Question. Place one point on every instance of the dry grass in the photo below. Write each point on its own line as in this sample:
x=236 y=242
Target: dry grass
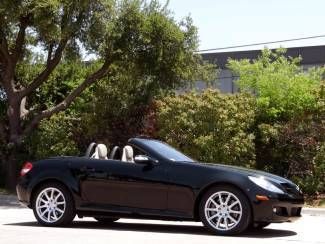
x=3 y=191
x=316 y=202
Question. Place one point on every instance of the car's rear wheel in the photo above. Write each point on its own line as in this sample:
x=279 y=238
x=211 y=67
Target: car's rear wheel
x=225 y=210
x=104 y=220
x=53 y=205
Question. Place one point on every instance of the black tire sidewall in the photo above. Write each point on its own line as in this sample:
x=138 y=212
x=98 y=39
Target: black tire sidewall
x=69 y=212
x=245 y=220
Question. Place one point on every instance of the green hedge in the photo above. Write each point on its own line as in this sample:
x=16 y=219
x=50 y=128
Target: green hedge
x=294 y=149
x=54 y=138
x=209 y=127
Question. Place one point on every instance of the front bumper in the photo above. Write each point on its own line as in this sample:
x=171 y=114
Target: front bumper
x=278 y=210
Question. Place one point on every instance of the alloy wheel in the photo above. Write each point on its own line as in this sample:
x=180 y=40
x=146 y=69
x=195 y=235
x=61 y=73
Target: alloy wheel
x=223 y=210
x=50 y=205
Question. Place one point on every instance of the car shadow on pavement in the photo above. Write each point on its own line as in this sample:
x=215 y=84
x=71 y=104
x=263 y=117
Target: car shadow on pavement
x=163 y=228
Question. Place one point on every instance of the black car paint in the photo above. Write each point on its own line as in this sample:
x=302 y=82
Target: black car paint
x=163 y=189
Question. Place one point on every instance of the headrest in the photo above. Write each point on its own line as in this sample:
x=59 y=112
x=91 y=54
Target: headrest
x=127 y=154
x=102 y=151
x=128 y=151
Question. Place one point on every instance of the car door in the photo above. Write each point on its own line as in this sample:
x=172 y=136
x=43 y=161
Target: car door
x=109 y=184
x=181 y=192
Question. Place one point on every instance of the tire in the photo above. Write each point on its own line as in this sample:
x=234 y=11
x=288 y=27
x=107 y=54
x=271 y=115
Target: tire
x=229 y=217
x=259 y=225
x=53 y=205
x=104 y=220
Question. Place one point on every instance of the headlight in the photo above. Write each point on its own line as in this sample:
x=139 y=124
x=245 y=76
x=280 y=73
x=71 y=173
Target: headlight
x=261 y=182
x=298 y=188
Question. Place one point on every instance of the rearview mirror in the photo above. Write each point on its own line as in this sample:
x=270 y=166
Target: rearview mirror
x=143 y=159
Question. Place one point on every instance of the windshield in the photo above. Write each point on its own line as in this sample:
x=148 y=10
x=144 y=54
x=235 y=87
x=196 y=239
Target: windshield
x=167 y=151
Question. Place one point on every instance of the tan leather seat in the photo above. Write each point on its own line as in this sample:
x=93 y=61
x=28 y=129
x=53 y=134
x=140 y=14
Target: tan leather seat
x=127 y=155
x=100 y=152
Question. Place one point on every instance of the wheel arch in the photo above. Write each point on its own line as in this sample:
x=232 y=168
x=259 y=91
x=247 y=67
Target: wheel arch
x=214 y=184
x=40 y=183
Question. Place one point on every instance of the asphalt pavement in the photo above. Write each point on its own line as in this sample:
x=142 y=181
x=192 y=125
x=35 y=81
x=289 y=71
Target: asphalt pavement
x=18 y=225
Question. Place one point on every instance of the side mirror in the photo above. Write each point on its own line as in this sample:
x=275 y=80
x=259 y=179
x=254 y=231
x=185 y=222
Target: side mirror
x=143 y=159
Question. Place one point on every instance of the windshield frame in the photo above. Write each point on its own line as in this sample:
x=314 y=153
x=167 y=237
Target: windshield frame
x=151 y=146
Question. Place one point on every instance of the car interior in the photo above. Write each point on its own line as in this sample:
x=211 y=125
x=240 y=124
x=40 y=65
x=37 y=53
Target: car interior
x=100 y=151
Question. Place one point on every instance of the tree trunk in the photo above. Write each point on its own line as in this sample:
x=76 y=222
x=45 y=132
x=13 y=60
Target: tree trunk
x=10 y=166
x=10 y=163
x=2 y=170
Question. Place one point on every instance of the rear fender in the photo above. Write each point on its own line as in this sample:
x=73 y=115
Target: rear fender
x=63 y=177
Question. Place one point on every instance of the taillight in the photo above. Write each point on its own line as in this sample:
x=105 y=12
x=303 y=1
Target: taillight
x=26 y=168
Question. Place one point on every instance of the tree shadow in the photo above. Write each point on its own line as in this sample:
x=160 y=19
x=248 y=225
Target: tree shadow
x=163 y=228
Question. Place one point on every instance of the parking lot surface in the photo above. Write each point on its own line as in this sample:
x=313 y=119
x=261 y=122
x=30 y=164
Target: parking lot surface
x=18 y=225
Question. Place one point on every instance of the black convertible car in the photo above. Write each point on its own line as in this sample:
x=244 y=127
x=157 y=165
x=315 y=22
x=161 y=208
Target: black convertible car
x=150 y=179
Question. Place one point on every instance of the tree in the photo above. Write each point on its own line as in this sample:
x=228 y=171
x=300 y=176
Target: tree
x=38 y=36
x=283 y=89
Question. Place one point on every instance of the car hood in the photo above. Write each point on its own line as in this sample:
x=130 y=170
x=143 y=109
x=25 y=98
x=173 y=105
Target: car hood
x=246 y=172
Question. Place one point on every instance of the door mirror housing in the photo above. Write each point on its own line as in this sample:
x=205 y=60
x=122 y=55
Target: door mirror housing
x=143 y=159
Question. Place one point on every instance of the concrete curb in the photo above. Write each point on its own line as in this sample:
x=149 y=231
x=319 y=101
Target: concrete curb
x=314 y=211
x=9 y=201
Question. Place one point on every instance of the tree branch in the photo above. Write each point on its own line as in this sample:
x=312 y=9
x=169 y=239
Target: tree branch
x=50 y=66
x=8 y=67
x=3 y=134
x=69 y=99
x=20 y=40
x=23 y=111
x=2 y=64
x=4 y=46
x=67 y=30
x=3 y=60
x=49 y=54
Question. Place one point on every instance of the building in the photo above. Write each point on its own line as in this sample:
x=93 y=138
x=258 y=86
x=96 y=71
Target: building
x=312 y=56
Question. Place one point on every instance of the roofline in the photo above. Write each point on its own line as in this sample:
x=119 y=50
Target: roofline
x=310 y=55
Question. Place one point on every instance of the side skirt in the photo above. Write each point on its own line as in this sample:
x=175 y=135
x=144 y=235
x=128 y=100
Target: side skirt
x=92 y=210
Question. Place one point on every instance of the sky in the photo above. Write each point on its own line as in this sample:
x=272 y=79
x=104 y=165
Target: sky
x=224 y=23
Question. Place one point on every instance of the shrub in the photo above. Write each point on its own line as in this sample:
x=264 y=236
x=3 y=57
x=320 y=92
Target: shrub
x=313 y=181
x=282 y=88
x=53 y=138
x=290 y=116
x=296 y=148
x=209 y=127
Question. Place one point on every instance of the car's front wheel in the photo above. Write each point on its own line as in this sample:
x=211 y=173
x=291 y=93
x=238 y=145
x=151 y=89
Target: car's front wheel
x=225 y=210
x=53 y=205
